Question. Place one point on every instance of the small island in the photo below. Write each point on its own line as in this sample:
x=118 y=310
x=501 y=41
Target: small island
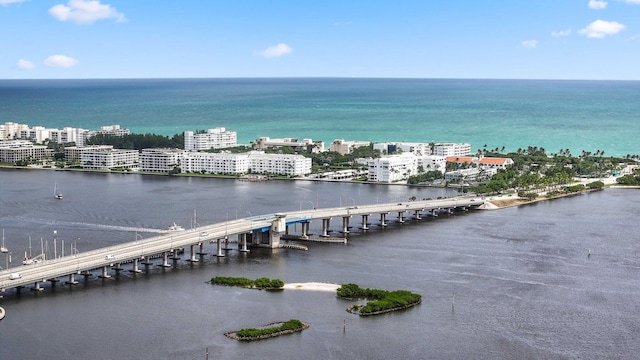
x=260 y=283
x=269 y=331
x=382 y=301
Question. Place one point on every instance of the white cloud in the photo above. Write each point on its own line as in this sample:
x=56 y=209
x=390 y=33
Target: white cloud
x=597 y=4
x=632 y=1
x=85 y=12
x=24 y=64
x=60 y=61
x=276 y=50
x=7 y=2
x=561 y=33
x=600 y=28
x=529 y=43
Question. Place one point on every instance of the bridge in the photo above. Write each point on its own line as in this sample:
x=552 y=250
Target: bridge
x=262 y=230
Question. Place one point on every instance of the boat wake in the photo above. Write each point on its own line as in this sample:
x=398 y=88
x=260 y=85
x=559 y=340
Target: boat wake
x=84 y=225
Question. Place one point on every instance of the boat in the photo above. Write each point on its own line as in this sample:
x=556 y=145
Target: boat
x=175 y=227
x=28 y=260
x=56 y=195
x=3 y=249
x=2 y=313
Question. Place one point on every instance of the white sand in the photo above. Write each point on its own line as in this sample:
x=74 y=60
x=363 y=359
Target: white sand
x=314 y=286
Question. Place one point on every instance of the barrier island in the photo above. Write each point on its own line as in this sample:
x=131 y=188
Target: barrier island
x=269 y=331
x=382 y=301
x=260 y=283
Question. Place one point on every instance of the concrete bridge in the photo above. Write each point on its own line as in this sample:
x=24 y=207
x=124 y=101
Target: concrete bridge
x=262 y=230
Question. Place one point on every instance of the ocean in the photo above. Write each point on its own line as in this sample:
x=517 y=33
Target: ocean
x=553 y=280
x=553 y=114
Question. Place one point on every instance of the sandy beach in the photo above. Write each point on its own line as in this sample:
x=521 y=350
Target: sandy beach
x=313 y=286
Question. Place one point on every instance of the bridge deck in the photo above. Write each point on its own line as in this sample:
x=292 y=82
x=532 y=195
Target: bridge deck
x=108 y=256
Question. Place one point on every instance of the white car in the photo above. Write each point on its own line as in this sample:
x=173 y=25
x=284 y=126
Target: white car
x=14 y=276
x=204 y=233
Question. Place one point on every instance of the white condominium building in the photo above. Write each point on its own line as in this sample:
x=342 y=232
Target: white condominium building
x=393 y=147
x=165 y=160
x=307 y=145
x=160 y=160
x=74 y=153
x=106 y=159
x=40 y=134
x=452 y=149
x=17 y=150
x=218 y=138
x=214 y=163
x=395 y=168
x=432 y=163
x=346 y=147
x=11 y=131
x=290 y=165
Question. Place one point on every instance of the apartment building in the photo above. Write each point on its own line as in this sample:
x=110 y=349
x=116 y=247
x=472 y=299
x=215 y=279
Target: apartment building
x=218 y=138
x=105 y=159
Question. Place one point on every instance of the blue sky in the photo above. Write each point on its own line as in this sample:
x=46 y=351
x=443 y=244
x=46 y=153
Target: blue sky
x=502 y=39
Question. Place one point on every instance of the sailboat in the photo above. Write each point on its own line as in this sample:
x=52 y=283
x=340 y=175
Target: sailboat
x=56 y=194
x=3 y=249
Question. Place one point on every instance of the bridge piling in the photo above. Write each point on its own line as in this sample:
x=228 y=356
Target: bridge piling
x=365 y=219
x=383 y=217
x=192 y=258
x=105 y=274
x=345 y=224
x=417 y=215
x=219 y=249
x=243 y=238
x=135 y=267
x=36 y=287
x=72 y=280
x=201 y=249
x=165 y=260
x=401 y=217
x=305 y=230
x=325 y=227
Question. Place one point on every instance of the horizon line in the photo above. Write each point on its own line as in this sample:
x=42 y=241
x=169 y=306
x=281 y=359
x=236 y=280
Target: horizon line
x=314 y=77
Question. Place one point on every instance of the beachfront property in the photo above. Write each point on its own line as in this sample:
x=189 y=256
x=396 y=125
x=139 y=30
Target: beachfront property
x=40 y=134
x=306 y=145
x=405 y=147
x=12 y=151
x=346 y=147
x=217 y=138
x=438 y=149
x=11 y=130
x=396 y=168
x=106 y=159
x=452 y=149
x=482 y=162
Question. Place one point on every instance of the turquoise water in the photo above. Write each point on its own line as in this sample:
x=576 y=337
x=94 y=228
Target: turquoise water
x=579 y=115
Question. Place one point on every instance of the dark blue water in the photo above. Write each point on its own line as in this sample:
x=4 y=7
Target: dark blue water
x=513 y=283
x=578 y=115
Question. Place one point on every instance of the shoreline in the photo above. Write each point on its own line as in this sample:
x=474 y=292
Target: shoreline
x=492 y=202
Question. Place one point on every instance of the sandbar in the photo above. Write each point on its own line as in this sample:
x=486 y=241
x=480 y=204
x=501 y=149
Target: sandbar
x=313 y=286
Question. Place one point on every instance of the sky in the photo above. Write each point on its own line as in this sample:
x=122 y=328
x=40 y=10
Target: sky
x=495 y=39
